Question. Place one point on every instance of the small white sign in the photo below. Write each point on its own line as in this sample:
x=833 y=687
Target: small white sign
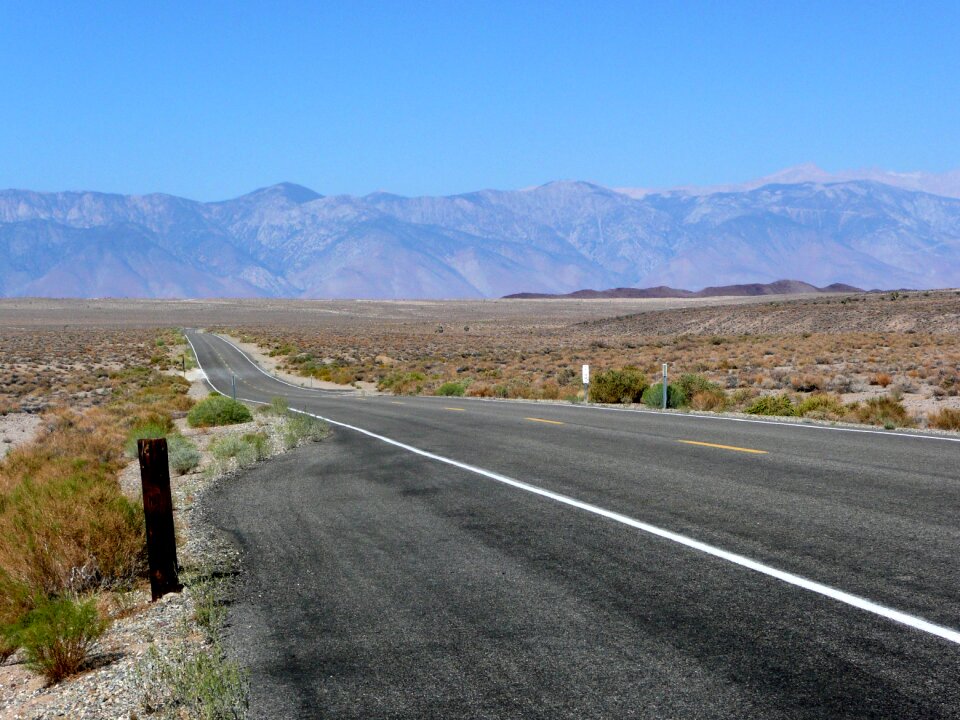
x=586 y=374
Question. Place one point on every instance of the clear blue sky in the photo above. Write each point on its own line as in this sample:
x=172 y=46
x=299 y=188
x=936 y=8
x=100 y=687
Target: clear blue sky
x=447 y=97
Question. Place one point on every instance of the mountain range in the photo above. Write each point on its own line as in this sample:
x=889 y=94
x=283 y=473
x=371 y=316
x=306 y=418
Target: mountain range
x=288 y=241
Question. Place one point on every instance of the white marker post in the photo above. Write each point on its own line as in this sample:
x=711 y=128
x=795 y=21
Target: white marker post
x=664 y=386
x=586 y=384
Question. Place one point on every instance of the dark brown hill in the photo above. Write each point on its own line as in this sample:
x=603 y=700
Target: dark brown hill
x=780 y=287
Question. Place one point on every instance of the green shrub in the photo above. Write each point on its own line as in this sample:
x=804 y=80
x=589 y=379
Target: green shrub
x=182 y=454
x=260 y=444
x=822 y=406
x=653 y=396
x=618 y=386
x=780 y=405
x=218 y=410
x=691 y=384
x=299 y=427
x=452 y=389
x=234 y=446
x=57 y=635
x=885 y=411
x=279 y=406
x=147 y=431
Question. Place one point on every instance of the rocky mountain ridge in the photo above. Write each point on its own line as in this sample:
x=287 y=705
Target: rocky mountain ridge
x=288 y=241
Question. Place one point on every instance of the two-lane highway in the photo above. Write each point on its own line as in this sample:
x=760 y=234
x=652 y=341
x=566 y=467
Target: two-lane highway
x=447 y=557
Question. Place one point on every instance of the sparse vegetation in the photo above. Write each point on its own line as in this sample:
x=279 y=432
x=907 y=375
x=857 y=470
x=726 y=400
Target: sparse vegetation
x=57 y=635
x=197 y=681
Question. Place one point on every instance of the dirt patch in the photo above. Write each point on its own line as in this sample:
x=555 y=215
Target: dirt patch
x=17 y=429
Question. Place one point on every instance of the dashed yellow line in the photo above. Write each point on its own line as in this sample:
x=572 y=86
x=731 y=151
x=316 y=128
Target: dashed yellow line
x=725 y=447
x=541 y=420
x=456 y=409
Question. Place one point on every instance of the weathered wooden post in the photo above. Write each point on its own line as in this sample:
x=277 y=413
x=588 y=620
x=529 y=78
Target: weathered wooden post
x=158 y=512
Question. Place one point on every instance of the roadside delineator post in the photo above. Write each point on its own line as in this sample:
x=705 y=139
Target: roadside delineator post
x=665 y=386
x=158 y=514
x=586 y=384
x=233 y=382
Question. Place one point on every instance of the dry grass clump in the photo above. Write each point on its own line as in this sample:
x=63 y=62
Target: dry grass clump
x=946 y=419
x=823 y=406
x=713 y=400
x=884 y=410
x=64 y=524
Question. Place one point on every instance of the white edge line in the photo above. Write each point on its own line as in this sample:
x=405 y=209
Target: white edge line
x=686 y=416
x=819 y=588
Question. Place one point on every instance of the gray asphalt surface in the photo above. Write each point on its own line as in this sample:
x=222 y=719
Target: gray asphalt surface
x=383 y=584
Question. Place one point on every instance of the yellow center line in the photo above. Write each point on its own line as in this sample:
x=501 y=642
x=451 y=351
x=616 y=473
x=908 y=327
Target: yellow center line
x=725 y=447
x=551 y=422
x=396 y=402
x=456 y=409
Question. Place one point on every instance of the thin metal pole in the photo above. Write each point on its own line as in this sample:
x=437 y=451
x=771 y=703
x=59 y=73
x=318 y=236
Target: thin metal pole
x=234 y=385
x=664 y=386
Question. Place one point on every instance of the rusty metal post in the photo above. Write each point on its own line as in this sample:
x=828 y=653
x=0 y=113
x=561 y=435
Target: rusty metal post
x=158 y=512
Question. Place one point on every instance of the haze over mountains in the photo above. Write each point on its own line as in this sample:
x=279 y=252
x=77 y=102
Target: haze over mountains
x=288 y=241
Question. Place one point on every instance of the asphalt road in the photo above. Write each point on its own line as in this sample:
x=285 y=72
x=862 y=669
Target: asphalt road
x=590 y=563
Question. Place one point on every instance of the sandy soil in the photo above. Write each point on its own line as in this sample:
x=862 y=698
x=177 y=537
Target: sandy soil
x=17 y=429
x=272 y=366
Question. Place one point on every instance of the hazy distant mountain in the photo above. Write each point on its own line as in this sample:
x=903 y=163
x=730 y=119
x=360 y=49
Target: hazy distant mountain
x=780 y=287
x=286 y=240
x=946 y=184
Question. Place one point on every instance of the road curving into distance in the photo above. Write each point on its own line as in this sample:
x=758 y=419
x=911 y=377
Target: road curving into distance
x=449 y=557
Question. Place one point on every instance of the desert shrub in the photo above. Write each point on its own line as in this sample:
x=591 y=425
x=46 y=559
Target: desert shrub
x=279 y=406
x=146 y=431
x=822 y=406
x=881 y=379
x=714 y=400
x=772 y=405
x=234 y=447
x=549 y=390
x=403 y=383
x=196 y=683
x=618 y=386
x=808 y=383
x=479 y=390
x=653 y=396
x=182 y=454
x=57 y=635
x=742 y=397
x=451 y=389
x=946 y=419
x=886 y=411
x=692 y=383
x=218 y=410
x=298 y=428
